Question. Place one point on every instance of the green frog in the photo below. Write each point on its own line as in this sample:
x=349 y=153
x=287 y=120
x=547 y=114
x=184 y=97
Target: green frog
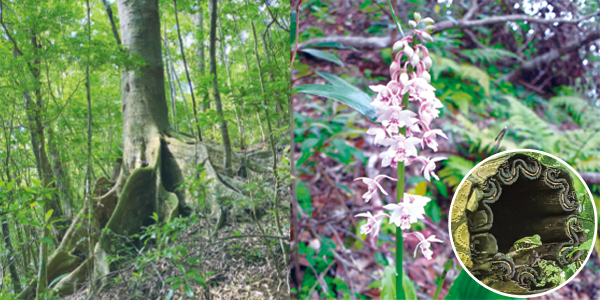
x=525 y=244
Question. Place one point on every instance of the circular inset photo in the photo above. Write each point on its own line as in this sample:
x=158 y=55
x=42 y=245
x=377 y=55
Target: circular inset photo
x=522 y=223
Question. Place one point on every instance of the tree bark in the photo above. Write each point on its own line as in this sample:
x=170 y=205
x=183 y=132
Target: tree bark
x=212 y=7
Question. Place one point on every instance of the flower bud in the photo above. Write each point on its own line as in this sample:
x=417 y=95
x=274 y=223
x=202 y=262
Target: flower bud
x=426 y=76
x=428 y=21
x=427 y=62
x=430 y=28
x=414 y=60
x=397 y=45
x=412 y=24
x=404 y=78
x=409 y=51
x=424 y=35
x=417 y=16
x=394 y=67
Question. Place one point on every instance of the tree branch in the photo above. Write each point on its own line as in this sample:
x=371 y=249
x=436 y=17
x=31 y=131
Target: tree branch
x=385 y=42
x=10 y=37
x=539 y=61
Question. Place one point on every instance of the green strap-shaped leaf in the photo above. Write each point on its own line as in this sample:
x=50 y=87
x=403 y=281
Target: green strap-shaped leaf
x=464 y=287
x=324 y=55
x=341 y=91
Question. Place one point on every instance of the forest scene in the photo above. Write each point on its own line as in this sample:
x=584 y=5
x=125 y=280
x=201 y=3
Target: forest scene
x=486 y=76
x=145 y=149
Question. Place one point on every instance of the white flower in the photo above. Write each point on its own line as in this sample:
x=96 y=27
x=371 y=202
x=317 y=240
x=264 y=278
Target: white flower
x=425 y=244
x=429 y=110
x=428 y=166
x=372 y=185
x=429 y=138
x=378 y=132
x=373 y=223
x=408 y=211
x=394 y=118
x=400 y=148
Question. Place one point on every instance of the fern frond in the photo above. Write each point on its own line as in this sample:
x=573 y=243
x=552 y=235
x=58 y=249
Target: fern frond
x=465 y=71
x=488 y=55
x=582 y=112
x=476 y=74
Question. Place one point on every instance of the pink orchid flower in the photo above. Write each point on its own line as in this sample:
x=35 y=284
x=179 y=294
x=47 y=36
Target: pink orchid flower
x=373 y=223
x=408 y=211
x=425 y=244
x=400 y=148
x=428 y=166
x=373 y=184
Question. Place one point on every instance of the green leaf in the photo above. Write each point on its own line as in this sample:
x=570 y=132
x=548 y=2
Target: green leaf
x=293 y=27
x=324 y=55
x=389 y=284
x=359 y=101
x=585 y=246
x=441 y=187
x=173 y=279
x=365 y=4
x=344 y=151
x=10 y=185
x=57 y=279
x=332 y=45
x=188 y=290
x=46 y=240
x=464 y=287
x=48 y=215
x=305 y=148
x=304 y=197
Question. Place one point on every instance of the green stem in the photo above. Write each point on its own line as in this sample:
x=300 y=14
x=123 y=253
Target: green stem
x=440 y=280
x=395 y=19
x=399 y=197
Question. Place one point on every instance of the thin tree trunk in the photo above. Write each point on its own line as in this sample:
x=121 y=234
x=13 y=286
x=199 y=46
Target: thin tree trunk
x=199 y=20
x=175 y=78
x=88 y=186
x=226 y=63
x=111 y=20
x=249 y=78
x=271 y=137
x=278 y=107
x=170 y=81
x=16 y=282
x=187 y=73
x=212 y=7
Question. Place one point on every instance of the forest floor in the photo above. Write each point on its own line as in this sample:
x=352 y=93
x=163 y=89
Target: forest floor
x=238 y=268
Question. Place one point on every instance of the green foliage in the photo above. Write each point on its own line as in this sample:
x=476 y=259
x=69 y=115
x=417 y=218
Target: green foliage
x=455 y=169
x=487 y=55
x=464 y=287
x=388 y=283
x=340 y=90
x=324 y=55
